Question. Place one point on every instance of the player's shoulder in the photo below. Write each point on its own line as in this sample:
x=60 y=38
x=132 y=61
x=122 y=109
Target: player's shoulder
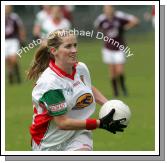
x=123 y=15
x=99 y=19
x=48 y=75
x=14 y=16
x=81 y=65
x=41 y=14
x=65 y=20
x=66 y=23
x=47 y=81
x=120 y=14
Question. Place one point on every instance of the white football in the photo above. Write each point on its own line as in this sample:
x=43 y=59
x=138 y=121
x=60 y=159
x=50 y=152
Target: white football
x=121 y=110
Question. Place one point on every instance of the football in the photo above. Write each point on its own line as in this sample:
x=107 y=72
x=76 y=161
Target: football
x=121 y=110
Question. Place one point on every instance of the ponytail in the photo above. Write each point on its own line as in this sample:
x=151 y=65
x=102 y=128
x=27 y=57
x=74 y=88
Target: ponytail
x=40 y=63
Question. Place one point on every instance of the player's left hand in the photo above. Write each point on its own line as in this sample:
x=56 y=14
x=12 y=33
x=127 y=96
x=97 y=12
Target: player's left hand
x=111 y=125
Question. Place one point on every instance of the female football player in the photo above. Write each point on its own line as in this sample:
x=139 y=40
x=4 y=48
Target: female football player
x=113 y=24
x=14 y=35
x=64 y=99
x=50 y=22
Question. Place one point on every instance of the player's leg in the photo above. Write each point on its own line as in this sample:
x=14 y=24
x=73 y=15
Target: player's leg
x=109 y=59
x=13 y=68
x=113 y=79
x=11 y=48
x=119 y=68
x=10 y=70
x=121 y=76
x=16 y=68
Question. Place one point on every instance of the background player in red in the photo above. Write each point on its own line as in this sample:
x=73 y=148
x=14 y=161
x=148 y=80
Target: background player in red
x=113 y=24
x=150 y=16
x=14 y=34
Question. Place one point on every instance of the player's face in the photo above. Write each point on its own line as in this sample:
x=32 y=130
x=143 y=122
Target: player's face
x=8 y=9
x=56 y=12
x=108 y=10
x=67 y=51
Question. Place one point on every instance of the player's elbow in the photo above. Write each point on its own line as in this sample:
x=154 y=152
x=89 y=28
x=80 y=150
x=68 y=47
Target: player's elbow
x=135 y=22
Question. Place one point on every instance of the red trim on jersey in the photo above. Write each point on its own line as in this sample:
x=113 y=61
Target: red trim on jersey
x=153 y=10
x=35 y=110
x=39 y=128
x=60 y=72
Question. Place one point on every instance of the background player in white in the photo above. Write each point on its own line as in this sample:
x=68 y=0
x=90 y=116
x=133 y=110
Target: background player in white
x=113 y=24
x=63 y=98
x=150 y=16
x=41 y=17
x=14 y=35
x=53 y=21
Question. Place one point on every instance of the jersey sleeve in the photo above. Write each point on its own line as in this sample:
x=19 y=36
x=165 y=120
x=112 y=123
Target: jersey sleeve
x=39 y=18
x=83 y=71
x=54 y=101
x=98 y=21
x=124 y=17
x=67 y=24
x=17 y=19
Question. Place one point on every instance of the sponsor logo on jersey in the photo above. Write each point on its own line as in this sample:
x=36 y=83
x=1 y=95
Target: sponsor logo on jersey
x=76 y=83
x=83 y=101
x=57 y=107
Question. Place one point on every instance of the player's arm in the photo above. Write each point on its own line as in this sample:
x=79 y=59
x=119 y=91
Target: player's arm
x=37 y=27
x=131 y=23
x=99 y=97
x=63 y=122
x=21 y=29
x=22 y=34
x=36 y=31
x=56 y=105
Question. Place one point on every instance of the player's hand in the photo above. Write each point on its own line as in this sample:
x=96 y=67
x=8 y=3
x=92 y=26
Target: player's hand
x=111 y=125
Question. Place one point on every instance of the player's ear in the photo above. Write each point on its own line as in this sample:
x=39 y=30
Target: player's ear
x=52 y=50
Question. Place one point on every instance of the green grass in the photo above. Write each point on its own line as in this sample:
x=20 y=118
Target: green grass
x=139 y=136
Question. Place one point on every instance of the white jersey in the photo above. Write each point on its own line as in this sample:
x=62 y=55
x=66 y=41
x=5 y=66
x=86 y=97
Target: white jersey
x=49 y=26
x=41 y=17
x=57 y=93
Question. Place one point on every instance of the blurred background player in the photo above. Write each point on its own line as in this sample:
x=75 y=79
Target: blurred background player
x=41 y=17
x=113 y=23
x=67 y=11
x=150 y=16
x=53 y=22
x=14 y=35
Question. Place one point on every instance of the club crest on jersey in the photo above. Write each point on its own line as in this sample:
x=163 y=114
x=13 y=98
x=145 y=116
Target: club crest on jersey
x=83 y=101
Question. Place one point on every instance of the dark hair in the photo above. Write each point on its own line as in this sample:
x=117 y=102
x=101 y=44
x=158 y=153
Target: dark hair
x=43 y=55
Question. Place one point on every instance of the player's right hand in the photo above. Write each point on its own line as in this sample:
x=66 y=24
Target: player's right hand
x=111 y=125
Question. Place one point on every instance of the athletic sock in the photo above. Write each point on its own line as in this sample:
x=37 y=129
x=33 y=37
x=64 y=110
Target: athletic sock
x=114 y=86
x=17 y=73
x=122 y=83
x=10 y=77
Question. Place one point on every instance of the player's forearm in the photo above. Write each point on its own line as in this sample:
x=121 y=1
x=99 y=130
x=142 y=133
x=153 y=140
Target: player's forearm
x=22 y=34
x=131 y=24
x=65 y=123
x=99 y=97
x=36 y=30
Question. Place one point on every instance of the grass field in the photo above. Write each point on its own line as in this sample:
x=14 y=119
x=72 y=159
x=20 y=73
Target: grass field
x=139 y=136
